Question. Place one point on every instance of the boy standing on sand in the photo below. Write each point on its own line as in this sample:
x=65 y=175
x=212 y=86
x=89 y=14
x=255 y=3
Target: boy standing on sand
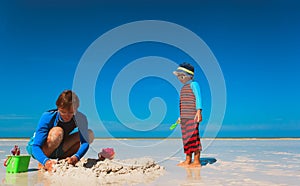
x=190 y=114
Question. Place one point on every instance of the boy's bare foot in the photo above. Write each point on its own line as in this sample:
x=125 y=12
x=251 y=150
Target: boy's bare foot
x=194 y=164
x=184 y=164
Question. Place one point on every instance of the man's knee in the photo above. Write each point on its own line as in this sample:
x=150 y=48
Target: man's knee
x=55 y=135
x=91 y=136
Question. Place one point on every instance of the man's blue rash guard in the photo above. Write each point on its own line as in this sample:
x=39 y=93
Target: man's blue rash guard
x=49 y=120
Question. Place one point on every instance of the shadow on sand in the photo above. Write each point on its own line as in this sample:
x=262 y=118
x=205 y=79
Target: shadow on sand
x=208 y=160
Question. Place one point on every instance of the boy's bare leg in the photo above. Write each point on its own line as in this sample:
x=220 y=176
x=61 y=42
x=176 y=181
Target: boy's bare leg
x=187 y=161
x=196 y=162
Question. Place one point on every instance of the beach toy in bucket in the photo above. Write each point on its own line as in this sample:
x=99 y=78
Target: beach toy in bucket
x=15 y=151
x=16 y=163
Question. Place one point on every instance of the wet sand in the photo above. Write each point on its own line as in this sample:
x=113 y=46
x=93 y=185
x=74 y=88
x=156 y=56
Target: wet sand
x=239 y=162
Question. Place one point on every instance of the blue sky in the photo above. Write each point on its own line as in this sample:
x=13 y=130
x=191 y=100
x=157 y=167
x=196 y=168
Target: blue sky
x=256 y=44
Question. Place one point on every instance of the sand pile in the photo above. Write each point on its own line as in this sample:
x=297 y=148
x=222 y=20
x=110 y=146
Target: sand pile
x=141 y=170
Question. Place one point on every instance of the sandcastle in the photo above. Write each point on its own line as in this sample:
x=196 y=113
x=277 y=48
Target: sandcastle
x=108 y=171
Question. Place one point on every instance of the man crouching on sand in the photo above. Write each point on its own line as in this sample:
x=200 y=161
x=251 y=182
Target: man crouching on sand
x=55 y=137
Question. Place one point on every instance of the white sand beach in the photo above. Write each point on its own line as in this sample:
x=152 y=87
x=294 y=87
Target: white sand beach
x=153 y=162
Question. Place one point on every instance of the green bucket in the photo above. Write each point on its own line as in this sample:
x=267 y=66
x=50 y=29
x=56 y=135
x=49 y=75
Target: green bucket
x=16 y=164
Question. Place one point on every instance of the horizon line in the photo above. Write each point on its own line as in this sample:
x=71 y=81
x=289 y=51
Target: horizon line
x=171 y=138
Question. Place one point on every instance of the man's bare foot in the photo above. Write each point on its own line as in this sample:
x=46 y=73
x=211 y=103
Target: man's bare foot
x=184 y=164
x=40 y=166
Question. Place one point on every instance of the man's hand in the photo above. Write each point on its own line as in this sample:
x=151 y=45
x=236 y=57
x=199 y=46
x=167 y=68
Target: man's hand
x=72 y=160
x=49 y=165
x=198 y=116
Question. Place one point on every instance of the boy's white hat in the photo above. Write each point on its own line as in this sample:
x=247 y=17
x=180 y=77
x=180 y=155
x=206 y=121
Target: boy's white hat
x=184 y=69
